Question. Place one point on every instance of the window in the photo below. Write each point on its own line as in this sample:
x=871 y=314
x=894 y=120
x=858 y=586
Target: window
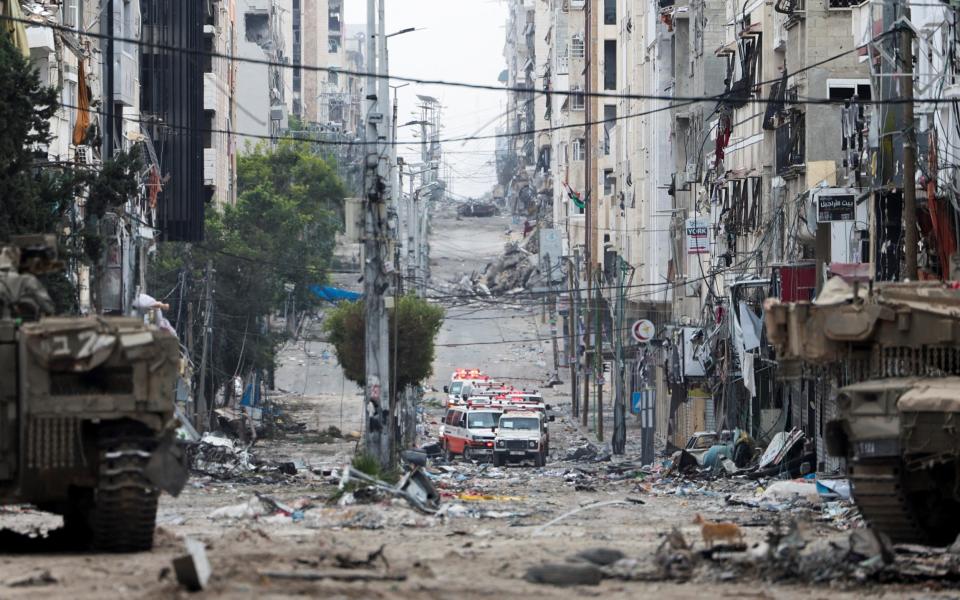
x=71 y=13
x=844 y=89
x=520 y=423
x=482 y=420
x=70 y=95
x=609 y=121
x=609 y=12
x=577 y=47
x=209 y=49
x=333 y=77
x=578 y=148
x=610 y=64
x=577 y=99
x=609 y=182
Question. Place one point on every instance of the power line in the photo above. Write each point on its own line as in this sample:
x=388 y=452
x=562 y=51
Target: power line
x=724 y=97
x=680 y=102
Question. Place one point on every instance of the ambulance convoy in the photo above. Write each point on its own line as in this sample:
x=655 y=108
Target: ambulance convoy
x=487 y=420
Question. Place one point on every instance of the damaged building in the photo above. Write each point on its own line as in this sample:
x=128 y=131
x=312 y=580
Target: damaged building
x=728 y=153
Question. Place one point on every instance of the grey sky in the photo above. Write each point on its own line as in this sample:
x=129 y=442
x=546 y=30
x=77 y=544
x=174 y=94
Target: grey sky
x=462 y=40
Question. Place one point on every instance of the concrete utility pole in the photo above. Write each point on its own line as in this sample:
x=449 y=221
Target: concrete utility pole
x=573 y=285
x=386 y=154
x=375 y=284
x=203 y=409
x=588 y=193
x=412 y=236
x=599 y=362
x=909 y=147
x=108 y=84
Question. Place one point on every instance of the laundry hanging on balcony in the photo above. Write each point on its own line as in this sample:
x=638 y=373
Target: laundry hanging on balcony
x=83 y=107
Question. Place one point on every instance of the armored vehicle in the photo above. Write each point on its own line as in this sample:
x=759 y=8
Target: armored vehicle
x=86 y=406
x=892 y=352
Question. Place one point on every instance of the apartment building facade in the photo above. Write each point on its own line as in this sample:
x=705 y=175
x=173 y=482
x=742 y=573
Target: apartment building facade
x=711 y=142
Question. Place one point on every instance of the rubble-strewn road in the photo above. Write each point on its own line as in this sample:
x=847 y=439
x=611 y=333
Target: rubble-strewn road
x=494 y=522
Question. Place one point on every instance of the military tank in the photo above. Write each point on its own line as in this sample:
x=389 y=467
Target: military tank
x=892 y=352
x=86 y=410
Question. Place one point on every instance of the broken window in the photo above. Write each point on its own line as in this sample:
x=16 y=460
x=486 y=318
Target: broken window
x=609 y=182
x=776 y=104
x=257 y=27
x=743 y=205
x=790 y=144
x=846 y=89
x=209 y=49
x=743 y=70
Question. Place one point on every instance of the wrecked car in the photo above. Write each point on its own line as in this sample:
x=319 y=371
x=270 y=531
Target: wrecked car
x=708 y=449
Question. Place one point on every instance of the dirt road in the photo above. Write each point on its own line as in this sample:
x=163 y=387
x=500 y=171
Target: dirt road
x=495 y=523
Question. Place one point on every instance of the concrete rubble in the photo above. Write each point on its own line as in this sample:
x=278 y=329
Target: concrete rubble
x=193 y=569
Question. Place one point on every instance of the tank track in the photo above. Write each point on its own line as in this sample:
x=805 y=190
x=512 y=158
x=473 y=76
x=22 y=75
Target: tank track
x=877 y=488
x=124 y=514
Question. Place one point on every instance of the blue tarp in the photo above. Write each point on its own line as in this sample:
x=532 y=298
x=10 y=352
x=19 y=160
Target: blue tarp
x=333 y=294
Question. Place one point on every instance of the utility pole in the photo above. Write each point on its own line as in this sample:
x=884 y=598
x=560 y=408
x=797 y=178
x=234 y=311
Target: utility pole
x=573 y=284
x=909 y=146
x=108 y=82
x=588 y=191
x=598 y=362
x=414 y=216
x=203 y=410
x=376 y=334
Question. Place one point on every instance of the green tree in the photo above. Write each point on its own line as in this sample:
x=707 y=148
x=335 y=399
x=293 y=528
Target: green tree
x=266 y=251
x=414 y=325
x=39 y=196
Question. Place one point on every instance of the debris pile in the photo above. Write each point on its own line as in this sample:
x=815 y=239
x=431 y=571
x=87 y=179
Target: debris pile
x=220 y=457
x=225 y=459
x=514 y=271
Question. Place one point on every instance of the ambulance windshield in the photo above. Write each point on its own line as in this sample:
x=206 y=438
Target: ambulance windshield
x=482 y=420
x=455 y=387
x=524 y=423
